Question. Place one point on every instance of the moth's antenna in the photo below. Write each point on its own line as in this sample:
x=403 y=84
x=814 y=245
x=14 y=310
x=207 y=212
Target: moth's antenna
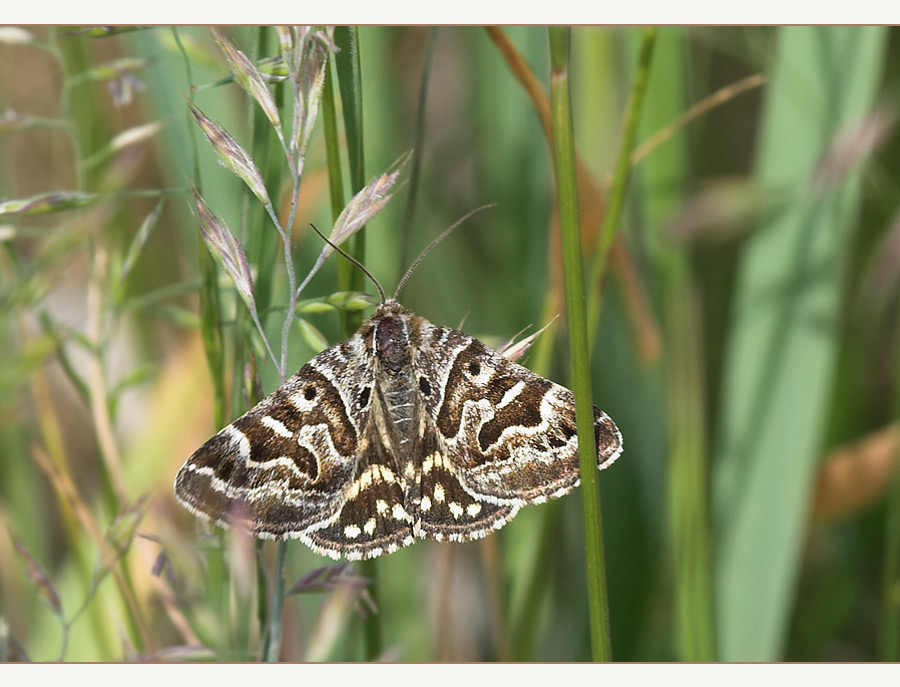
x=434 y=243
x=352 y=260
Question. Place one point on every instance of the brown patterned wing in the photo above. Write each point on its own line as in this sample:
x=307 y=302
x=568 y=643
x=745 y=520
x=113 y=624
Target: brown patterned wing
x=507 y=433
x=442 y=509
x=300 y=461
x=372 y=519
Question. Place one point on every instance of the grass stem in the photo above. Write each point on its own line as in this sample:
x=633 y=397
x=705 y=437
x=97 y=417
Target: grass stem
x=350 y=83
x=889 y=635
x=576 y=315
x=616 y=198
x=276 y=606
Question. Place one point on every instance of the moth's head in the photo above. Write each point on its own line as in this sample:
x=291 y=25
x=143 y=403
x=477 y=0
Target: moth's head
x=391 y=337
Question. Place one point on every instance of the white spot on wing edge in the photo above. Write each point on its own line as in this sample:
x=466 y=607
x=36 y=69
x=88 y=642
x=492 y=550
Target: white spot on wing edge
x=350 y=552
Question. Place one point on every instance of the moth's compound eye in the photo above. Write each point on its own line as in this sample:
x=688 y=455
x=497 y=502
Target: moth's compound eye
x=424 y=386
x=364 y=397
x=309 y=393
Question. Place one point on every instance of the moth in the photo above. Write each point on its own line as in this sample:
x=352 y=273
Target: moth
x=406 y=430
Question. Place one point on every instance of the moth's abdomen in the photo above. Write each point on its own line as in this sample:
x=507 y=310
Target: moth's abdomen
x=399 y=404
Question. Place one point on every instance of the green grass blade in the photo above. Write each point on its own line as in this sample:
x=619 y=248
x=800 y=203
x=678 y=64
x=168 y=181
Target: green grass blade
x=350 y=84
x=616 y=198
x=418 y=150
x=333 y=152
x=779 y=363
x=576 y=316
x=661 y=180
x=688 y=469
x=889 y=634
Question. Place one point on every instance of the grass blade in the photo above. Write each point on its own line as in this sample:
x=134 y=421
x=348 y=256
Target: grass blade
x=889 y=631
x=661 y=180
x=576 y=315
x=780 y=359
x=350 y=84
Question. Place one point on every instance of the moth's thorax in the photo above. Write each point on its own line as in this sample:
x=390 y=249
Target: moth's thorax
x=391 y=346
x=393 y=335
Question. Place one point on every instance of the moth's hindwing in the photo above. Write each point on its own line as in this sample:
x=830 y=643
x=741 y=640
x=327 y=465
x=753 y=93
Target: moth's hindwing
x=372 y=520
x=443 y=509
x=508 y=434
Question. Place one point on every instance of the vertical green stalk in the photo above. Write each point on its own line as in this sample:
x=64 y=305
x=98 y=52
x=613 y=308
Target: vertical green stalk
x=276 y=607
x=616 y=198
x=889 y=639
x=576 y=315
x=261 y=245
x=418 y=149
x=335 y=180
x=267 y=142
x=688 y=479
x=333 y=155
x=350 y=83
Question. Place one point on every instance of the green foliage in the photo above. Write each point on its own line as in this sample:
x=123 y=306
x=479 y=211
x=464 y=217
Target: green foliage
x=737 y=207
x=784 y=336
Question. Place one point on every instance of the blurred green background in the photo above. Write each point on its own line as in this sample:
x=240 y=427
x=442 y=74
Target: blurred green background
x=746 y=346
